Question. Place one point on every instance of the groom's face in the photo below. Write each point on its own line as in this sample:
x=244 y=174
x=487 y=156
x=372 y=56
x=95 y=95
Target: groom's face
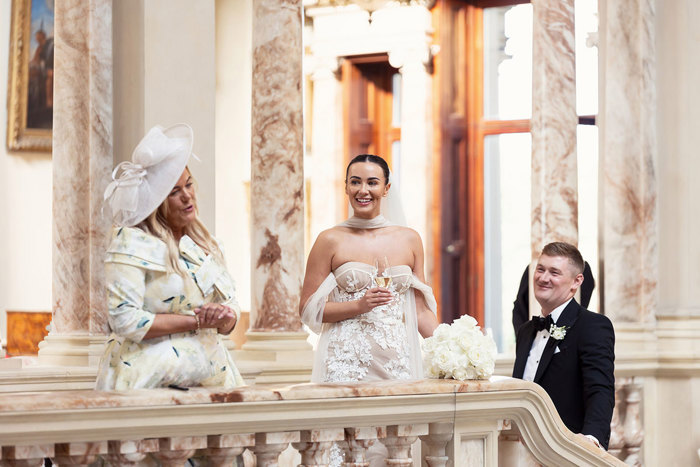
x=556 y=280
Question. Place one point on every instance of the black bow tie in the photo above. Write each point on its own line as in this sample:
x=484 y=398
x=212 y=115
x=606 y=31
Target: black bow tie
x=541 y=323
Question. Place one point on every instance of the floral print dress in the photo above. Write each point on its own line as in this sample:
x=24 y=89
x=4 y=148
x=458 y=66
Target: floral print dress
x=139 y=287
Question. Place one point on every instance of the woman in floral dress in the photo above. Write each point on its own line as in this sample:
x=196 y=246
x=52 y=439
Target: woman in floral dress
x=169 y=295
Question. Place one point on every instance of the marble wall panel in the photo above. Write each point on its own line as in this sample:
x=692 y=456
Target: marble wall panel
x=554 y=119
x=628 y=173
x=277 y=179
x=82 y=156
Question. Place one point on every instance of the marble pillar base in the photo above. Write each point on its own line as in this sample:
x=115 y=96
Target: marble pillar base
x=71 y=350
x=636 y=339
x=678 y=337
x=12 y=363
x=275 y=357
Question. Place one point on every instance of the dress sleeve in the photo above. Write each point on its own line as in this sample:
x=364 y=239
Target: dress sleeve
x=427 y=292
x=411 y=319
x=210 y=275
x=231 y=301
x=312 y=315
x=126 y=286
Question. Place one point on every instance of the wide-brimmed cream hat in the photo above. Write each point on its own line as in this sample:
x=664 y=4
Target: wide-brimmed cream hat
x=139 y=186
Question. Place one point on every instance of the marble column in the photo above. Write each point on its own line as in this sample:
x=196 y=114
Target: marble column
x=277 y=196
x=554 y=120
x=414 y=183
x=326 y=167
x=628 y=196
x=82 y=161
x=553 y=126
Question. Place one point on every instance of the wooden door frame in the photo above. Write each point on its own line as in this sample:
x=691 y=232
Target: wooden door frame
x=383 y=144
x=474 y=128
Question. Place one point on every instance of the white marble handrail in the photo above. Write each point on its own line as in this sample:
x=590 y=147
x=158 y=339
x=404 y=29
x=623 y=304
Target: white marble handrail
x=472 y=423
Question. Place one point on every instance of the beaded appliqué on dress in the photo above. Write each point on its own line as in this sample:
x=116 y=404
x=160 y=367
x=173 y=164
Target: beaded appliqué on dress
x=351 y=341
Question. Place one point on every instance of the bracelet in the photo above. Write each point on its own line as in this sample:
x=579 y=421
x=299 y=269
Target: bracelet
x=196 y=318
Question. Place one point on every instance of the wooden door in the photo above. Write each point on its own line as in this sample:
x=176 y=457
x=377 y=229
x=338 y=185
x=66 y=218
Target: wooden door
x=370 y=121
x=460 y=251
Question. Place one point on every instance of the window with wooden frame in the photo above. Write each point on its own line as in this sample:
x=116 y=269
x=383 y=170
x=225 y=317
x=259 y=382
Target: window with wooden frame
x=468 y=117
x=484 y=91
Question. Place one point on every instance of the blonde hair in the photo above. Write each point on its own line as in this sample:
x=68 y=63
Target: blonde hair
x=156 y=224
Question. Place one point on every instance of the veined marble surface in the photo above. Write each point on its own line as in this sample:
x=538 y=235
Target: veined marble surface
x=30 y=401
x=82 y=162
x=554 y=120
x=628 y=164
x=277 y=183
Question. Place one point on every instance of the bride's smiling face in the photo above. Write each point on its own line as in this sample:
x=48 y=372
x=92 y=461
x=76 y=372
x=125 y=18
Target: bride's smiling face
x=365 y=187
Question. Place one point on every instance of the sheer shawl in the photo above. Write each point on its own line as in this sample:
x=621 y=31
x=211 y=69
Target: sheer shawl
x=312 y=315
x=360 y=223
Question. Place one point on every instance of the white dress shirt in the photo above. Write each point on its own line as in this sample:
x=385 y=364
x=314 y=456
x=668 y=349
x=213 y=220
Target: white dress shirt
x=538 y=345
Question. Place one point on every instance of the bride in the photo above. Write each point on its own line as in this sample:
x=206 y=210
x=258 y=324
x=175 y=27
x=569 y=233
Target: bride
x=367 y=333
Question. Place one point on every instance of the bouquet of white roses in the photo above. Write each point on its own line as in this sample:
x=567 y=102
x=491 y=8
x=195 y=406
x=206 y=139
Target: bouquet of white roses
x=460 y=351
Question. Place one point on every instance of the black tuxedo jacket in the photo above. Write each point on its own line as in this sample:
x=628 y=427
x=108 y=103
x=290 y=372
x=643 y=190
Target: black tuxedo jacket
x=579 y=377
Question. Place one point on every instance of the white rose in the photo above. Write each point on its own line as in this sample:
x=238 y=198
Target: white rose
x=442 y=332
x=461 y=360
x=442 y=347
x=471 y=373
x=432 y=371
x=429 y=345
x=487 y=361
x=443 y=361
x=465 y=322
x=460 y=373
x=465 y=341
x=488 y=369
x=477 y=355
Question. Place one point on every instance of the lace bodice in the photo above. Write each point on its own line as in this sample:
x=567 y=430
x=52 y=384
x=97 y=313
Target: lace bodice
x=373 y=345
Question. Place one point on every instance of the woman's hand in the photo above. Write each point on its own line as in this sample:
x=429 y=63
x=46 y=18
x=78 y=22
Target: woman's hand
x=373 y=298
x=216 y=315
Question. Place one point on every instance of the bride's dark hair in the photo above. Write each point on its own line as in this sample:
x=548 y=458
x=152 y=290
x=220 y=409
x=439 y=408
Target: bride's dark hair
x=373 y=159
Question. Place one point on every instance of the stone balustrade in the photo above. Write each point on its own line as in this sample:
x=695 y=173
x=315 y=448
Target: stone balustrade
x=627 y=425
x=627 y=429
x=443 y=422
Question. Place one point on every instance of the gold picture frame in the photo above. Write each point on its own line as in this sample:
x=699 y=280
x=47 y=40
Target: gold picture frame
x=30 y=84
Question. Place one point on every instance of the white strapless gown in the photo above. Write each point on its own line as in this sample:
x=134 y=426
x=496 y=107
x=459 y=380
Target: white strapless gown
x=372 y=346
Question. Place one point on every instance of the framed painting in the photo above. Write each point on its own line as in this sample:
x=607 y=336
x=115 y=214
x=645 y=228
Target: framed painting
x=30 y=93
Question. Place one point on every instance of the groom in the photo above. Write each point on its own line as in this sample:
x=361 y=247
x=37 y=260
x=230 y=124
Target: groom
x=569 y=351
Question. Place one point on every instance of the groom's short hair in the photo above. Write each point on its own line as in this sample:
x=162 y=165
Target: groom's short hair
x=565 y=250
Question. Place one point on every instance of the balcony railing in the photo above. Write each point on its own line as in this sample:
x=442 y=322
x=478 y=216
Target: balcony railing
x=475 y=423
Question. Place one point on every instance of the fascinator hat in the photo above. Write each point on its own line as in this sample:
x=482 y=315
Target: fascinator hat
x=139 y=186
